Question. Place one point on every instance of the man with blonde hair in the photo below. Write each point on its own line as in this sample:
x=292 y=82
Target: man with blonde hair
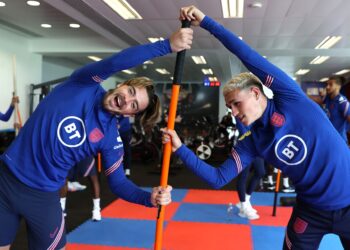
x=289 y=131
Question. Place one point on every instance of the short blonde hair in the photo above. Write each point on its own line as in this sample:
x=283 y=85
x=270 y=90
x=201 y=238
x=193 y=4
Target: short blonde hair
x=242 y=81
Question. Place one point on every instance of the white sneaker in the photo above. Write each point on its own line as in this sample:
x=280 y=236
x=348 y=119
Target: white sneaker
x=249 y=214
x=239 y=206
x=96 y=215
x=75 y=186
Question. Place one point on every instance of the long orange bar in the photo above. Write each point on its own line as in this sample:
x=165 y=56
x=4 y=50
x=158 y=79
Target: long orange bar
x=278 y=180
x=18 y=115
x=99 y=163
x=166 y=163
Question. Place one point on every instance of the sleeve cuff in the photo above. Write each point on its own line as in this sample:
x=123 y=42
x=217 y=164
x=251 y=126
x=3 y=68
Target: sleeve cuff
x=166 y=44
x=182 y=150
x=208 y=23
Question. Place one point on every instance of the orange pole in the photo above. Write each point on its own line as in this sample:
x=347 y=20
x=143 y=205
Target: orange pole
x=15 y=94
x=99 y=164
x=180 y=58
x=277 y=188
x=18 y=115
x=278 y=181
x=166 y=164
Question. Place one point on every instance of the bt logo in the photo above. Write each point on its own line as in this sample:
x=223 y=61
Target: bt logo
x=291 y=150
x=71 y=131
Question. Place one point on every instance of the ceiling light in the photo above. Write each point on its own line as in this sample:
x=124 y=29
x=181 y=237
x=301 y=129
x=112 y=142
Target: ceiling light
x=148 y=62
x=232 y=8
x=207 y=71
x=319 y=59
x=2 y=4
x=94 y=58
x=255 y=5
x=342 y=72
x=74 y=25
x=302 y=71
x=162 y=71
x=33 y=3
x=328 y=42
x=199 y=60
x=123 y=8
x=324 y=79
x=155 y=39
x=128 y=71
x=46 y=25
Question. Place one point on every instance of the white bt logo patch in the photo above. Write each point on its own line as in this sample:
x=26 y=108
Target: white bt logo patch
x=291 y=150
x=71 y=131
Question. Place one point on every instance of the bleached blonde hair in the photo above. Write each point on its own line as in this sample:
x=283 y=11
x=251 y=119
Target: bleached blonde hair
x=242 y=81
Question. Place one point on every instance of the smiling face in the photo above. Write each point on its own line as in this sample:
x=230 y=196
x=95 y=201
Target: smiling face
x=126 y=100
x=245 y=104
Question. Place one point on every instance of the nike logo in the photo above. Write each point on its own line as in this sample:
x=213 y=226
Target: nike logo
x=52 y=235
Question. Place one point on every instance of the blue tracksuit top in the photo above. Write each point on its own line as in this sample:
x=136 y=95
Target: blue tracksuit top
x=338 y=110
x=6 y=116
x=70 y=124
x=293 y=134
x=123 y=124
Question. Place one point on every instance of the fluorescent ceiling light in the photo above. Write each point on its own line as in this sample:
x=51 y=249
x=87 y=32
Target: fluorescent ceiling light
x=207 y=71
x=148 y=62
x=46 y=25
x=342 y=72
x=74 y=25
x=302 y=72
x=213 y=79
x=2 y=4
x=232 y=8
x=324 y=79
x=199 y=60
x=255 y=5
x=94 y=58
x=33 y=3
x=128 y=71
x=162 y=71
x=319 y=59
x=328 y=42
x=123 y=8
x=155 y=39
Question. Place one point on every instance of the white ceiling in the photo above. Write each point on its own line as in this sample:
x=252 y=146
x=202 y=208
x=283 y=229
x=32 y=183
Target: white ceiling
x=286 y=31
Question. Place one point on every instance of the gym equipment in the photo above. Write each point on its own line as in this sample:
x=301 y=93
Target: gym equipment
x=180 y=58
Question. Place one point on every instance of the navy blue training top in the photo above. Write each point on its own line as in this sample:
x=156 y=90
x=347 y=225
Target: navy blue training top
x=293 y=134
x=6 y=116
x=70 y=124
x=338 y=110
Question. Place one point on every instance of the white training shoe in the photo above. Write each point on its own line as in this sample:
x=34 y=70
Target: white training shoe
x=239 y=206
x=249 y=214
x=96 y=215
x=75 y=186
